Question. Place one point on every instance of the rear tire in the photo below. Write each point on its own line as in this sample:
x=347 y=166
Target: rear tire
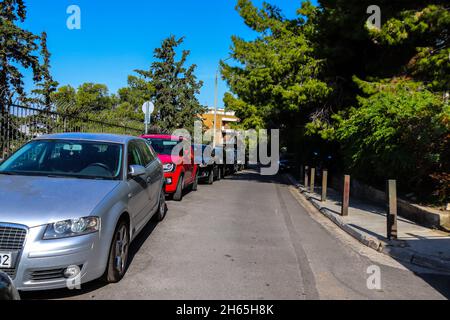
x=219 y=174
x=195 y=183
x=178 y=195
x=211 y=177
x=118 y=253
x=162 y=208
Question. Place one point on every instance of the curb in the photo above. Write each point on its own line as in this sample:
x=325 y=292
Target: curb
x=402 y=254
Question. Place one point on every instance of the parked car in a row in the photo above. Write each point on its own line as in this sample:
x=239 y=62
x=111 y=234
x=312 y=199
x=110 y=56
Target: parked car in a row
x=184 y=171
x=179 y=174
x=209 y=169
x=71 y=204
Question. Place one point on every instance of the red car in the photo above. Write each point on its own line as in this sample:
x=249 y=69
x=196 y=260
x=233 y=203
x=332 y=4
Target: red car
x=179 y=173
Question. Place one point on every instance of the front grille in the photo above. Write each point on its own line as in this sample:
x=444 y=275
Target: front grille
x=47 y=274
x=12 y=238
x=10 y=272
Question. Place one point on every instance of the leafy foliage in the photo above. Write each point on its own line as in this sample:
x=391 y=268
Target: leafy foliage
x=377 y=93
x=175 y=88
x=18 y=48
x=276 y=77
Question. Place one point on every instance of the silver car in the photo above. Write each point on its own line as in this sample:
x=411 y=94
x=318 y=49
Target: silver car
x=70 y=205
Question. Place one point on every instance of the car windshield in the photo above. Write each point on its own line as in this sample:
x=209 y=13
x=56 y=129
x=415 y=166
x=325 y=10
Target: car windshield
x=61 y=158
x=163 y=146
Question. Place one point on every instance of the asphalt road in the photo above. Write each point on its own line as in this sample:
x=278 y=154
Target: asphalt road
x=248 y=237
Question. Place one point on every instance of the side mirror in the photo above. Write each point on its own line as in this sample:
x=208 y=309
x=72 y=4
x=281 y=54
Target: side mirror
x=136 y=171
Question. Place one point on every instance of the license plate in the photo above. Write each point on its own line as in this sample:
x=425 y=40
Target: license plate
x=5 y=260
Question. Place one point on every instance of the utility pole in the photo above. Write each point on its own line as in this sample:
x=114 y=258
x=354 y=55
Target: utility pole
x=216 y=94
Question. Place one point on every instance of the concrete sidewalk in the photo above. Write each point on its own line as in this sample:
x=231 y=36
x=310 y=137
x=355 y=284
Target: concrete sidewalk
x=367 y=223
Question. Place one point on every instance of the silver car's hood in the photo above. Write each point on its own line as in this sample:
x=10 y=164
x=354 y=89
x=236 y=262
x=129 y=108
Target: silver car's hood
x=35 y=201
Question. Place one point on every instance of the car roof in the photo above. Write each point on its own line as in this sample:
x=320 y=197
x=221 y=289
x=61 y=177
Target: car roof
x=100 y=137
x=161 y=136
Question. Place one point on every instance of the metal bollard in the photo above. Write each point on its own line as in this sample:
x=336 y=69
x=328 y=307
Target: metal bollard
x=313 y=176
x=392 y=210
x=346 y=196
x=324 y=185
x=306 y=177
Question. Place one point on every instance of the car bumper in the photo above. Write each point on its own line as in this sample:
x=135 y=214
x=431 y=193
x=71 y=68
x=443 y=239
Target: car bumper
x=171 y=181
x=41 y=264
x=203 y=173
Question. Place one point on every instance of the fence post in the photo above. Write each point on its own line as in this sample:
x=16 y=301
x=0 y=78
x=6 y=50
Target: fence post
x=306 y=177
x=324 y=185
x=2 y=129
x=392 y=209
x=346 y=196
x=313 y=176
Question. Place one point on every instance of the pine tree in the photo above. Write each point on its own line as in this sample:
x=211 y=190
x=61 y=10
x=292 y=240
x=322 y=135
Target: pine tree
x=18 y=48
x=176 y=87
x=47 y=86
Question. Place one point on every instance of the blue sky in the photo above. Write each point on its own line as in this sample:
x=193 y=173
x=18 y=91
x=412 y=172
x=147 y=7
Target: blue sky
x=117 y=37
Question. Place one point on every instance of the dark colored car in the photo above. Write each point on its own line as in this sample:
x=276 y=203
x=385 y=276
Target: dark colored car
x=220 y=161
x=208 y=169
x=287 y=162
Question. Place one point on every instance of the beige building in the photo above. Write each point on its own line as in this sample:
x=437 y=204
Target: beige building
x=224 y=123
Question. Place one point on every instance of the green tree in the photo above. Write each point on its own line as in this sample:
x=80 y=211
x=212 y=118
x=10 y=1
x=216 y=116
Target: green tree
x=47 y=86
x=175 y=88
x=399 y=130
x=274 y=80
x=373 y=95
x=65 y=101
x=94 y=97
x=18 y=48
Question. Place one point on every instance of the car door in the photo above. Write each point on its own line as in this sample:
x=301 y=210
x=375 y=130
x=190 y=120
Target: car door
x=154 y=172
x=138 y=186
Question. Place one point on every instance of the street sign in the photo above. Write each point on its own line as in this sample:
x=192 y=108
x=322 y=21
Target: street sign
x=147 y=108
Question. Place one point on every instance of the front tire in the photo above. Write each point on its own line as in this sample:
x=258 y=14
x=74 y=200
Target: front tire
x=118 y=253
x=178 y=195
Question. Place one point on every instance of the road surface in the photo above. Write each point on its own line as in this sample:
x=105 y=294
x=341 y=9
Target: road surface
x=248 y=237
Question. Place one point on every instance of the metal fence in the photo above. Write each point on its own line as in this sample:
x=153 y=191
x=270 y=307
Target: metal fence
x=19 y=124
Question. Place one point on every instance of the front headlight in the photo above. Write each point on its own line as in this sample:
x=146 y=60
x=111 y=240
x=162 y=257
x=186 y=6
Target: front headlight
x=169 y=167
x=72 y=228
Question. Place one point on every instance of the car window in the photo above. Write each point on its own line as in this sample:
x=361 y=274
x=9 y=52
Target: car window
x=163 y=146
x=134 y=155
x=147 y=156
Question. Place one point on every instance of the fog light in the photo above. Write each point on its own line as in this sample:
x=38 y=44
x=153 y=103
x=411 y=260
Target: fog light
x=71 y=272
x=169 y=180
